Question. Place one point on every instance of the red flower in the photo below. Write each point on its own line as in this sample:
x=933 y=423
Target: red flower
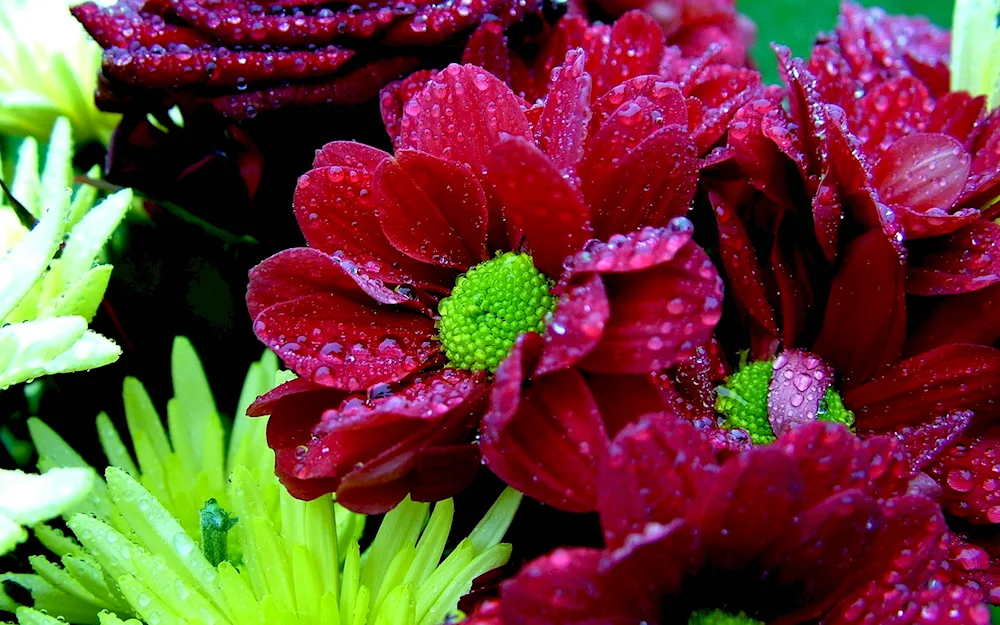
x=899 y=173
x=242 y=58
x=818 y=527
x=696 y=25
x=373 y=304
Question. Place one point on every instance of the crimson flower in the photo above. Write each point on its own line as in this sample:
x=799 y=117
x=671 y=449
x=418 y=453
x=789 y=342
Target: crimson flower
x=819 y=527
x=696 y=25
x=890 y=277
x=242 y=58
x=555 y=229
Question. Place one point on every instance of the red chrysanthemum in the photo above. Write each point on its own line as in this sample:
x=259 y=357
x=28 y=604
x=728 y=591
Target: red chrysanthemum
x=817 y=528
x=395 y=347
x=243 y=58
x=890 y=277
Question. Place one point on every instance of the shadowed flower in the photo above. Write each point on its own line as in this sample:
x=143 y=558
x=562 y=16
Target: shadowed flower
x=890 y=278
x=425 y=268
x=151 y=548
x=48 y=69
x=243 y=58
x=52 y=278
x=769 y=535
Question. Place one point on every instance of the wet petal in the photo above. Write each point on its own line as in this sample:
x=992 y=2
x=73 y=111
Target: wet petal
x=562 y=128
x=576 y=327
x=798 y=383
x=546 y=438
x=431 y=209
x=865 y=322
x=462 y=114
x=967 y=260
x=948 y=378
x=539 y=203
x=968 y=477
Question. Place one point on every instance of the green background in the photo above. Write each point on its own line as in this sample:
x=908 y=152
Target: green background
x=796 y=22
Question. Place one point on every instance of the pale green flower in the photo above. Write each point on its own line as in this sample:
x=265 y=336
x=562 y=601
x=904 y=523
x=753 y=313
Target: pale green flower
x=154 y=540
x=975 y=49
x=48 y=69
x=51 y=277
x=27 y=499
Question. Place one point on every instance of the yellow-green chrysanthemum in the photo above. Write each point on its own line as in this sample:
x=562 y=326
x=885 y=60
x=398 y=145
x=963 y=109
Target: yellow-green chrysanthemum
x=51 y=277
x=168 y=539
x=48 y=69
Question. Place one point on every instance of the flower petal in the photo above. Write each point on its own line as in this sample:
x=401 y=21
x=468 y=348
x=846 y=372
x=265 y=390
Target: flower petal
x=544 y=439
x=562 y=128
x=967 y=475
x=653 y=468
x=394 y=97
x=924 y=443
x=798 y=383
x=538 y=203
x=576 y=327
x=948 y=378
x=344 y=342
x=665 y=298
x=865 y=322
x=968 y=260
x=431 y=209
x=462 y=114
x=967 y=318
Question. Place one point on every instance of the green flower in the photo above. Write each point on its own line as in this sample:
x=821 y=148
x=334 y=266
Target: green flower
x=48 y=69
x=975 y=49
x=168 y=539
x=51 y=278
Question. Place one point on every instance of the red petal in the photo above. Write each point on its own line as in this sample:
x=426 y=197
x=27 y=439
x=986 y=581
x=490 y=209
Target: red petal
x=539 y=203
x=969 y=261
x=739 y=259
x=749 y=502
x=967 y=318
x=562 y=128
x=877 y=466
x=376 y=449
x=952 y=377
x=563 y=587
x=545 y=439
x=487 y=48
x=924 y=443
x=431 y=209
x=302 y=271
x=463 y=114
x=576 y=327
x=634 y=48
x=923 y=172
x=665 y=298
x=652 y=470
x=890 y=111
x=217 y=67
x=623 y=399
x=345 y=343
x=123 y=25
x=336 y=212
x=798 y=382
x=958 y=114
x=295 y=408
x=394 y=97
x=720 y=91
x=865 y=322
x=967 y=473
x=652 y=184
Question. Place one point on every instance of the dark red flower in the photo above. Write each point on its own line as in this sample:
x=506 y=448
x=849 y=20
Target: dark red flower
x=243 y=58
x=891 y=275
x=817 y=528
x=510 y=196
x=696 y=25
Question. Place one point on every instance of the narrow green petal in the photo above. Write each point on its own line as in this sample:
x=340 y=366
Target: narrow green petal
x=54 y=452
x=113 y=446
x=491 y=529
x=401 y=526
x=58 y=171
x=11 y=535
x=84 y=197
x=27 y=184
x=191 y=388
x=28 y=616
x=55 y=541
x=239 y=596
x=89 y=236
x=83 y=297
x=90 y=575
x=350 y=586
x=61 y=580
x=161 y=533
x=462 y=583
x=143 y=419
x=108 y=618
x=432 y=542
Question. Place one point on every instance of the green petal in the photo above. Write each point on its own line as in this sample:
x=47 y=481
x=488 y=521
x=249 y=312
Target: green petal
x=29 y=499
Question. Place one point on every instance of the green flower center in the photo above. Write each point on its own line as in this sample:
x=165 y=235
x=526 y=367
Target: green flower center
x=490 y=306
x=742 y=400
x=718 y=617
